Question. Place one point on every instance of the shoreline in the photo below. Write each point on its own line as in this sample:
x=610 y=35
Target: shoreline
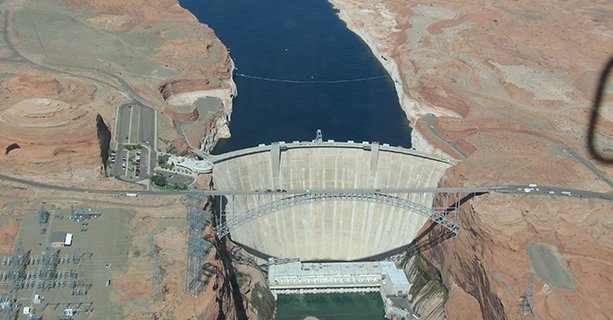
x=219 y=123
x=412 y=108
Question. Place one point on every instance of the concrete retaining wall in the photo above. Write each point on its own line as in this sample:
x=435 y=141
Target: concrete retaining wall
x=342 y=230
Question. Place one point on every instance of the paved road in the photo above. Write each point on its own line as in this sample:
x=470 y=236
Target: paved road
x=429 y=120
x=148 y=138
x=521 y=190
x=135 y=121
x=135 y=124
x=552 y=191
x=127 y=89
x=588 y=164
x=122 y=123
x=148 y=120
x=147 y=127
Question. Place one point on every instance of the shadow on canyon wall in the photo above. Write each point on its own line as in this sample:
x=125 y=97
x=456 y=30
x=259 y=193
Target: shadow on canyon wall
x=428 y=237
x=230 y=281
x=104 y=140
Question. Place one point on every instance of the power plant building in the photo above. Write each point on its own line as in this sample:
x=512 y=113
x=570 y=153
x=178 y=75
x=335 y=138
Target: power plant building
x=289 y=276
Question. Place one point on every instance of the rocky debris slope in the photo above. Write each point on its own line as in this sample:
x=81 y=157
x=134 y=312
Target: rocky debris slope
x=507 y=88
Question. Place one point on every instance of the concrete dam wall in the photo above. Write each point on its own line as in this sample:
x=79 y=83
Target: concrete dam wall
x=331 y=230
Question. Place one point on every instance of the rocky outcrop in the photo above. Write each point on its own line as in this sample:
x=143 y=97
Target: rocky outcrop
x=427 y=295
x=188 y=117
x=116 y=51
x=42 y=83
x=241 y=287
x=51 y=134
x=257 y=298
x=172 y=87
x=508 y=85
x=217 y=128
x=465 y=268
x=488 y=264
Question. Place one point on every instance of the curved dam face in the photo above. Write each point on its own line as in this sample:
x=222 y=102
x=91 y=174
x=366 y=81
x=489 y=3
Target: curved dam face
x=330 y=230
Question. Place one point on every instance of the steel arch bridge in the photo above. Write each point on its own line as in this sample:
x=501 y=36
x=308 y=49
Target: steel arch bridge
x=445 y=213
x=444 y=208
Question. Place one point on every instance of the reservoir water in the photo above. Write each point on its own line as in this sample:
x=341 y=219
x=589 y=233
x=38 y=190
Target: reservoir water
x=301 y=41
x=289 y=55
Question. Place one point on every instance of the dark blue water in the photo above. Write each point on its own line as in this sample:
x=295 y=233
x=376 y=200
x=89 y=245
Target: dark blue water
x=304 y=40
x=301 y=40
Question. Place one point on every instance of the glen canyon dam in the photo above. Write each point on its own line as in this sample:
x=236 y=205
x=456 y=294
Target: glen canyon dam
x=348 y=229
x=306 y=160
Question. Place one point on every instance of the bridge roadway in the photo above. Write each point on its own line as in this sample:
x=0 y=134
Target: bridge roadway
x=510 y=189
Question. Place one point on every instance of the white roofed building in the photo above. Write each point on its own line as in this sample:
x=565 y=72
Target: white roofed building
x=195 y=166
x=291 y=276
x=61 y=239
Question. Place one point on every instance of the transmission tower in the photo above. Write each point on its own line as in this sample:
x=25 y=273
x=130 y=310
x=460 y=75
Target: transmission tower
x=197 y=246
x=43 y=219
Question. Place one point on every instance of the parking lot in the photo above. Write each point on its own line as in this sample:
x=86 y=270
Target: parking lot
x=135 y=136
x=130 y=162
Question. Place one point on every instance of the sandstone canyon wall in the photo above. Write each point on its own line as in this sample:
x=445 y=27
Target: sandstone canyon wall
x=63 y=62
x=506 y=87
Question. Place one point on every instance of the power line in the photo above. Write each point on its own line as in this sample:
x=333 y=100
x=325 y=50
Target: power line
x=309 y=81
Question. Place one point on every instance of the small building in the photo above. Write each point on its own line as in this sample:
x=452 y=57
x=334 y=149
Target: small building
x=37 y=299
x=196 y=166
x=61 y=239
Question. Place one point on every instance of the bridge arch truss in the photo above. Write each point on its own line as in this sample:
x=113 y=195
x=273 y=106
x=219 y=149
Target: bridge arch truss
x=443 y=212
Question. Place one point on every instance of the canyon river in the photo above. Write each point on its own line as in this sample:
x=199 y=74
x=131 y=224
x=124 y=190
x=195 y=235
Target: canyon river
x=289 y=57
x=300 y=69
